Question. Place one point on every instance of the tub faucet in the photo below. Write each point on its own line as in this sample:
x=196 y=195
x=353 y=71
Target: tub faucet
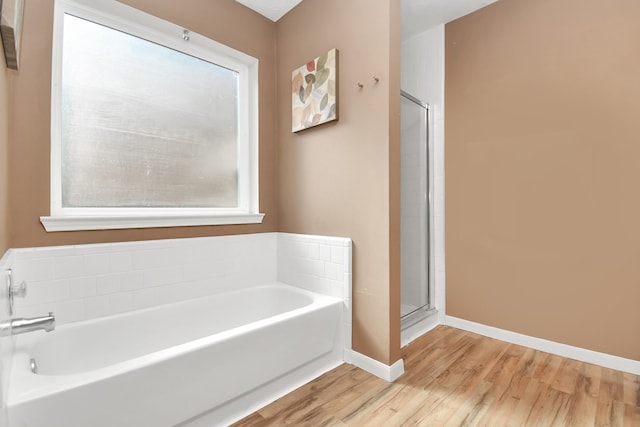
x=23 y=325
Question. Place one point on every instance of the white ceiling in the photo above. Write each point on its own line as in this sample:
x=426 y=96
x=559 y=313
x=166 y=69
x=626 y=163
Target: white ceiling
x=417 y=15
x=420 y=15
x=272 y=9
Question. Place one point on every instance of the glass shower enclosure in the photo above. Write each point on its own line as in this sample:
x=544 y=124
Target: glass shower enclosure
x=415 y=284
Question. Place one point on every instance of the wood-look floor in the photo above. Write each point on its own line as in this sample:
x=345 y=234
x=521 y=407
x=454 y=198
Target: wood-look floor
x=456 y=378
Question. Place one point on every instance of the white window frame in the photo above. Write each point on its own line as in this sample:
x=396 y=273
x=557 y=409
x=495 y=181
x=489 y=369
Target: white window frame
x=132 y=21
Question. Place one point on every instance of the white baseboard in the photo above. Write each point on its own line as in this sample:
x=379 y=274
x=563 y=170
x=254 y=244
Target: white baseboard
x=564 y=350
x=379 y=369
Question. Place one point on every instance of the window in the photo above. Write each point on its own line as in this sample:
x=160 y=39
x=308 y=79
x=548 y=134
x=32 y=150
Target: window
x=152 y=125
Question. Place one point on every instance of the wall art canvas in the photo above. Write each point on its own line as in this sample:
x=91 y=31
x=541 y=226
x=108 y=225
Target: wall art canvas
x=10 y=28
x=314 y=92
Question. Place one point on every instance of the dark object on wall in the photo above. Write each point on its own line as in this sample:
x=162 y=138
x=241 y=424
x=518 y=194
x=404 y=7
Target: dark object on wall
x=10 y=28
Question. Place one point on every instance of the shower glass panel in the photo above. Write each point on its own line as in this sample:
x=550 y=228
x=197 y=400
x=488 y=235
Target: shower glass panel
x=414 y=258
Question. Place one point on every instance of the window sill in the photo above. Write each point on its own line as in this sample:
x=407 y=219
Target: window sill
x=76 y=223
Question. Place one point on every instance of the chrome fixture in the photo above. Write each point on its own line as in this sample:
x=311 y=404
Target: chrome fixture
x=33 y=366
x=14 y=291
x=23 y=325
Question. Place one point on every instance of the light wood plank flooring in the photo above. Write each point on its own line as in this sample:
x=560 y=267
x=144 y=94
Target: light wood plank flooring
x=456 y=378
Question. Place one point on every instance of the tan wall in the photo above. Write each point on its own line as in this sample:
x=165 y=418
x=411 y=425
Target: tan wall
x=341 y=178
x=223 y=20
x=4 y=155
x=543 y=170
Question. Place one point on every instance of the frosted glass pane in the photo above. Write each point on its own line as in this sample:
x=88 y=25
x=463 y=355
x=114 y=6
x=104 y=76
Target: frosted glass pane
x=144 y=125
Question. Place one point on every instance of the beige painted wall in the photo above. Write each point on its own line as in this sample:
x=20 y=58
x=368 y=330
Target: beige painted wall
x=543 y=170
x=339 y=179
x=223 y=20
x=342 y=178
x=4 y=155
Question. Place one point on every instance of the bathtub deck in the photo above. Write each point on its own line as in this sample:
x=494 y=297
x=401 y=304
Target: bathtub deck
x=458 y=378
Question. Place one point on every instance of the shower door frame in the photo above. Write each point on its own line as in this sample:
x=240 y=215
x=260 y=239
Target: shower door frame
x=427 y=242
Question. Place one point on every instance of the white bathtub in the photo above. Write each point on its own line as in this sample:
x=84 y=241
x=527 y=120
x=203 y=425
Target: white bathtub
x=198 y=362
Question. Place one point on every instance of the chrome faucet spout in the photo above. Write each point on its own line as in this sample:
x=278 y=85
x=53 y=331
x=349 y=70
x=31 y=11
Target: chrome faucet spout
x=23 y=325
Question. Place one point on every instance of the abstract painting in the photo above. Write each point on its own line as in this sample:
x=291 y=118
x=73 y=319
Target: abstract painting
x=314 y=92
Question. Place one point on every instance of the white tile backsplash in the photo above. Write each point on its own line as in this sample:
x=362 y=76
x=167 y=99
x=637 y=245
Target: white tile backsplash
x=119 y=262
x=108 y=284
x=7 y=261
x=96 y=264
x=65 y=267
x=149 y=259
x=121 y=302
x=95 y=307
x=44 y=292
x=87 y=281
x=82 y=287
x=320 y=264
x=325 y=253
x=70 y=311
x=161 y=276
x=337 y=255
x=145 y=298
x=331 y=270
x=131 y=280
x=32 y=269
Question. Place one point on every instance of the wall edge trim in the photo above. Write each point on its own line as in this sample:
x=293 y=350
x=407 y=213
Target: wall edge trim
x=582 y=354
x=374 y=367
x=415 y=331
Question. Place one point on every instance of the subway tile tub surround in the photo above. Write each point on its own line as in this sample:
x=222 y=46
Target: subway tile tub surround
x=89 y=281
x=99 y=283
x=7 y=343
